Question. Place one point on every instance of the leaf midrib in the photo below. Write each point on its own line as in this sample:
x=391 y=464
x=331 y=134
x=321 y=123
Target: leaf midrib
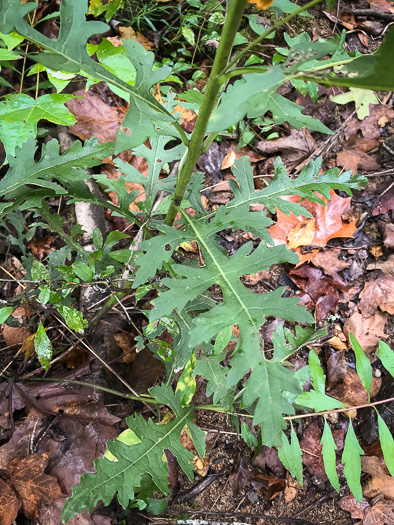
x=41 y=172
x=179 y=421
x=96 y=68
x=202 y=242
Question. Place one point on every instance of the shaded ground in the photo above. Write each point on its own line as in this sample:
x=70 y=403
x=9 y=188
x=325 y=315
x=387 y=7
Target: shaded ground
x=62 y=428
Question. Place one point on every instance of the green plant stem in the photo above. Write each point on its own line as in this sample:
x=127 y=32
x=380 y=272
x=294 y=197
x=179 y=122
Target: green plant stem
x=233 y=19
x=212 y=408
x=277 y=25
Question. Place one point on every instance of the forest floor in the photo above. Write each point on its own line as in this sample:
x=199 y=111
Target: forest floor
x=349 y=285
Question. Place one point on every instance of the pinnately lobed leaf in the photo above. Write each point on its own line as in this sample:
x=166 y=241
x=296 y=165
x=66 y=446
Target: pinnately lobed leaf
x=146 y=116
x=124 y=475
x=69 y=169
x=19 y=115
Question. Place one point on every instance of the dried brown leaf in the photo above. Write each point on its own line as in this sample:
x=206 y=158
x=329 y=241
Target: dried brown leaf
x=379 y=482
x=323 y=290
x=344 y=383
x=9 y=504
x=371 y=126
x=311 y=448
x=128 y=33
x=15 y=335
x=377 y=293
x=98 y=114
x=32 y=484
x=298 y=145
x=350 y=504
x=388 y=238
x=386 y=199
x=328 y=261
x=382 y=513
x=367 y=331
x=43 y=247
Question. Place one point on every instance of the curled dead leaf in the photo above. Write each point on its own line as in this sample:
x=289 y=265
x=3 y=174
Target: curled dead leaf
x=128 y=33
x=302 y=234
x=382 y=513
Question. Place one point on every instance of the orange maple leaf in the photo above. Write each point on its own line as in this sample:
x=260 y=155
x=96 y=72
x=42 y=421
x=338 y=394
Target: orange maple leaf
x=327 y=220
x=261 y=4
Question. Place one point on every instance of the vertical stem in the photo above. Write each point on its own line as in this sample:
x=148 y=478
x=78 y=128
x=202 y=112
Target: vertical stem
x=231 y=24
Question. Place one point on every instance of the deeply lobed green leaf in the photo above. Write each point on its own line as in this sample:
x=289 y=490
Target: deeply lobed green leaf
x=124 y=475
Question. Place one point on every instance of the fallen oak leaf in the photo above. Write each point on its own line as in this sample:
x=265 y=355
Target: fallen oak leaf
x=302 y=234
x=355 y=160
x=371 y=126
x=329 y=223
x=354 y=154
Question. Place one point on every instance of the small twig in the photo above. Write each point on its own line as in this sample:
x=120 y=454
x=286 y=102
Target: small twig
x=107 y=366
x=371 y=209
x=373 y=13
x=12 y=278
x=317 y=501
x=380 y=173
x=96 y=387
x=337 y=410
x=198 y=488
x=240 y=515
x=326 y=145
x=387 y=148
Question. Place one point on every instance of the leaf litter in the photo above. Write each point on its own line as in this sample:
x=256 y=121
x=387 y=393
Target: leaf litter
x=323 y=273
